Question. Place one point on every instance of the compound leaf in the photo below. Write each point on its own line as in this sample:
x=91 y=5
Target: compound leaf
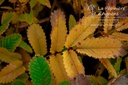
x=80 y=31
x=57 y=67
x=11 y=71
x=37 y=39
x=39 y=71
x=11 y=42
x=72 y=64
x=6 y=19
x=59 y=31
x=8 y=56
x=101 y=47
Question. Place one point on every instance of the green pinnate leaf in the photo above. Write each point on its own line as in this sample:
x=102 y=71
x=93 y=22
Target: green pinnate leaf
x=39 y=71
x=11 y=42
x=18 y=82
x=65 y=83
x=6 y=19
x=25 y=46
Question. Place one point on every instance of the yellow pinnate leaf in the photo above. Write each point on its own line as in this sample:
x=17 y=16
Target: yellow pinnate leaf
x=53 y=81
x=108 y=22
x=8 y=56
x=84 y=28
x=109 y=17
x=59 y=31
x=120 y=36
x=72 y=64
x=11 y=71
x=57 y=67
x=37 y=39
x=87 y=10
x=107 y=64
x=101 y=47
x=122 y=25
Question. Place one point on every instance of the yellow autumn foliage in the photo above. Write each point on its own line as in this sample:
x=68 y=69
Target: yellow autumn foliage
x=120 y=36
x=59 y=31
x=37 y=39
x=109 y=66
x=57 y=67
x=101 y=47
x=72 y=64
x=84 y=28
x=108 y=22
x=8 y=56
x=11 y=71
x=122 y=24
